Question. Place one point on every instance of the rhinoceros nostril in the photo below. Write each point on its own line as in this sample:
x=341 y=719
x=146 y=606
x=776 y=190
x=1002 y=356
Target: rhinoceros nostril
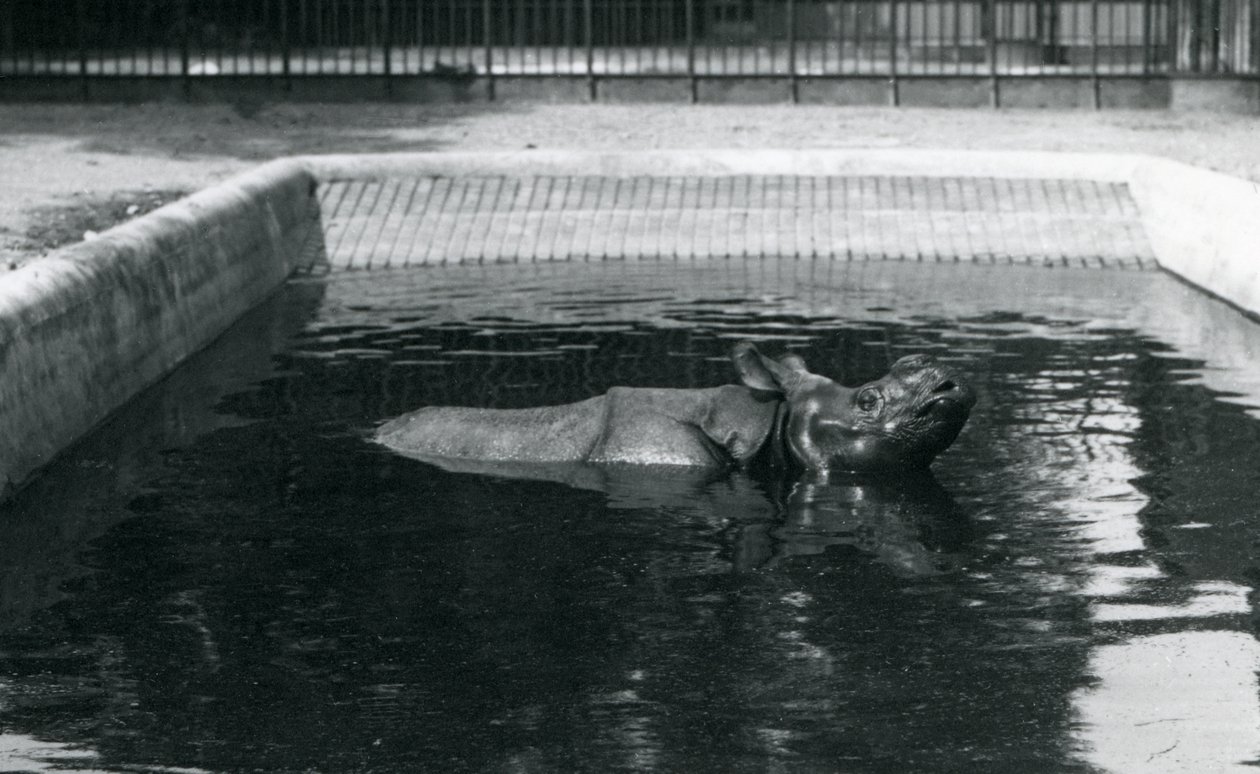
x=945 y=386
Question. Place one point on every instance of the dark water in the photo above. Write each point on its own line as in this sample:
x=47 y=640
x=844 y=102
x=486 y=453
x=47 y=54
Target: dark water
x=231 y=578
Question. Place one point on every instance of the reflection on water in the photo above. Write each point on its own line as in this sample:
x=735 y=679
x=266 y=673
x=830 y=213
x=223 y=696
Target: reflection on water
x=247 y=584
x=908 y=523
x=1176 y=702
x=24 y=753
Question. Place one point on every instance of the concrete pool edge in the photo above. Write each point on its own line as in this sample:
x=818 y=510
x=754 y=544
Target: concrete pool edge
x=89 y=327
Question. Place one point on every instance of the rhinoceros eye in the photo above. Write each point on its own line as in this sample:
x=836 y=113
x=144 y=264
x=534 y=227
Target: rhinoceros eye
x=868 y=400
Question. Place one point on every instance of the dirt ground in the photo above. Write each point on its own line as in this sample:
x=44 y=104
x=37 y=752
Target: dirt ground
x=69 y=169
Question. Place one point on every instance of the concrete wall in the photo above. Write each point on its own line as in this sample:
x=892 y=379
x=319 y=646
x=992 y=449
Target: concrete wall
x=1236 y=95
x=87 y=328
x=1215 y=95
x=1204 y=227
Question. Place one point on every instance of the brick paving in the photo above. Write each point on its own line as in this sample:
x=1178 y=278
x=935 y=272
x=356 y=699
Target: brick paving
x=438 y=220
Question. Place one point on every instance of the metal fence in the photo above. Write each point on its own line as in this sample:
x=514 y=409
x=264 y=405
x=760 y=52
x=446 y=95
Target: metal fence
x=628 y=38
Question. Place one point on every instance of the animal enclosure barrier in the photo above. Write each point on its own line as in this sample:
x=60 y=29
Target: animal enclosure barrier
x=643 y=39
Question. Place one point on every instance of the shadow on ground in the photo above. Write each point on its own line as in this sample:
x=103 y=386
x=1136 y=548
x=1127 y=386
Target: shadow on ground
x=261 y=132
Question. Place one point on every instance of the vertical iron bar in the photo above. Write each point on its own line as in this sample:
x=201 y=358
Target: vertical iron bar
x=989 y=28
x=115 y=35
x=219 y=47
x=638 y=36
x=420 y=29
x=487 y=34
x=311 y=58
x=726 y=54
x=81 y=32
x=894 y=82
x=1253 y=62
x=451 y=34
x=841 y=28
x=30 y=58
x=7 y=42
x=1205 y=33
x=535 y=14
x=1111 y=35
x=958 y=37
x=348 y=37
x=419 y=35
x=791 y=36
x=387 y=47
x=588 y=30
x=756 y=44
x=1050 y=33
x=1213 y=25
x=690 y=22
x=300 y=35
x=286 y=47
x=1093 y=54
x=368 y=37
x=1176 y=19
x=185 y=46
x=567 y=40
x=659 y=39
x=942 y=63
x=468 y=43
x=857 y=37
x=245 y=48
x=404 y=35
x=150 y=56
x=1148 y=27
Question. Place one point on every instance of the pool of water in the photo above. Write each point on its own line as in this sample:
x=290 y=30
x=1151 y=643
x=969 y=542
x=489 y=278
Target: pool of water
x=231 y=577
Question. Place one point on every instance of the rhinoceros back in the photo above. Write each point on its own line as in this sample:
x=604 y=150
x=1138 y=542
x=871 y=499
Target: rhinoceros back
x=544 y=434
x=647 y=426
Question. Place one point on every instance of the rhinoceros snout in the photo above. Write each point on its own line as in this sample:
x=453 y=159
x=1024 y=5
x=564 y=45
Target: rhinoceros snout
x=951 y=390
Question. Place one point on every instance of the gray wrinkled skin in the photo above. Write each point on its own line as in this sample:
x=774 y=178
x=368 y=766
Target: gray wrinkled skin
x=901 y=421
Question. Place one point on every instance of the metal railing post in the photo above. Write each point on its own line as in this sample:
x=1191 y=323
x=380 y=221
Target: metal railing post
x=588 y=31
x=1253 y=22
x=185 y=48
x=1174 y=39
x=894 y=79
x=487 y=34
x=690 y=22
x=387 y=47
x=791 y=41
x=990 y=22
x=286 y=48
x=1095 y=82
x=80 y=8
x=1148 y=36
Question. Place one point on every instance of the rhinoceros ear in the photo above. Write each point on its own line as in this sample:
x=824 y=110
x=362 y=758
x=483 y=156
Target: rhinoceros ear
x=794 y=362
x=761 y=373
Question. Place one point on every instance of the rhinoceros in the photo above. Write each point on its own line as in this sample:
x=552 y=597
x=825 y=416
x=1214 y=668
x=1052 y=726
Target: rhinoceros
x=781 y=413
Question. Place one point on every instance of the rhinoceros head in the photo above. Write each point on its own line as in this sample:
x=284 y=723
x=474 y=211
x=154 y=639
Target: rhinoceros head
x=901 y=421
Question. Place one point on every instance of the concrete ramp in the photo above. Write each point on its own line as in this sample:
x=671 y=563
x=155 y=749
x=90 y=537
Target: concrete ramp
x=387 y=222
